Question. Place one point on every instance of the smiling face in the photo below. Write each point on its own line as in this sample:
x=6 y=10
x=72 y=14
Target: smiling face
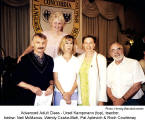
x=57 y=25
x=57 y=21
x=88 y=44
x=39 y=45
x=116 y=52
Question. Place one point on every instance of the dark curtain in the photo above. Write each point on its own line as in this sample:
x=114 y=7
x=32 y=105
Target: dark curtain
x=104 y=20
x=15 y=30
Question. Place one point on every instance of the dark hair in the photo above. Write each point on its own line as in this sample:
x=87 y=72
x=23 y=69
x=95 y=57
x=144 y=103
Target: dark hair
x=69 y=37
x=89 y=36
x=41 y=35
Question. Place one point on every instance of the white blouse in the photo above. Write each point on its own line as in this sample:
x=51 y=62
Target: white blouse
x=67 y=72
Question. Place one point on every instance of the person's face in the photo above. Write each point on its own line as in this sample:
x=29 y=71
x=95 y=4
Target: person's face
x=68 y=46
x=116 y=52
x=57 y=25
x=39 y=45
x=88 y=44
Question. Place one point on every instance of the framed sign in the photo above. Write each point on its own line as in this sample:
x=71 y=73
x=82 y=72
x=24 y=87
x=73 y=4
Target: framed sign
x=40 y=11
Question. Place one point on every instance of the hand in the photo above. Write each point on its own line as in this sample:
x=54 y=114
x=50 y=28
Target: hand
x=37 y=91
x=100 y=103
x=119 y=101
x=114 y=99
x=67 y=97
x=49 y=91
x=19 y=58
x=68 y=102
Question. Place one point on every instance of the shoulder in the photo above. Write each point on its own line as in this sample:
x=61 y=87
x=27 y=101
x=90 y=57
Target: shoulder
x=26 y=57
x=63 y=34
x=46 y=32
x=48 y=57
x=80 y=56
x=130 y=61
x=110 y=66
x=25 y=60
x=75 y=59
x=142 y=61
x=101 y=57
x=58 y=59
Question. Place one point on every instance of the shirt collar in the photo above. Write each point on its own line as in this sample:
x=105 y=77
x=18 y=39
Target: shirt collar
x=123 y=61
x=40 y=60
x=65 y=60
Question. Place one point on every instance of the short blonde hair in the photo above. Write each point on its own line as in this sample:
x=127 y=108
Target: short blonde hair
x=56 y=15
x=63 y=41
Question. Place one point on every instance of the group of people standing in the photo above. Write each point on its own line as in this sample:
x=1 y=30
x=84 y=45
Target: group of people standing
x=49 y=65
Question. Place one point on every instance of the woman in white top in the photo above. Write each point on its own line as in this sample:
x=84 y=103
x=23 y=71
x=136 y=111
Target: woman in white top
x=92 y=75
x=54 y=35
x=65 y=72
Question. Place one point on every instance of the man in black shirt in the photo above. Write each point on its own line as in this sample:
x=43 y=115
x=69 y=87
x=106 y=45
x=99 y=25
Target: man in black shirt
x=34 y=73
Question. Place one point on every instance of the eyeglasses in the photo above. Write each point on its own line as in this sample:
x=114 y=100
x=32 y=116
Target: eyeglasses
x=117 y=49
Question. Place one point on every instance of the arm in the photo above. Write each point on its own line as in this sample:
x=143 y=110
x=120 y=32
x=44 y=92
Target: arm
x=59 y=87
x=109 y=92
x=32 y=88
x=50 y=88
x=73 y=88
x=115 y=100
x=67 y=95
x=57 y=83
x=102 y=78
x=100 y=103
x=132 y=91
x=27 y=50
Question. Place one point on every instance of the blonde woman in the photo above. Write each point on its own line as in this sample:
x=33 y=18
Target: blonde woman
x=65 y=72
x=54 y=35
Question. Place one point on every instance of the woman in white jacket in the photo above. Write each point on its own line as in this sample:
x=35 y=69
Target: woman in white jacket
x=92 y=75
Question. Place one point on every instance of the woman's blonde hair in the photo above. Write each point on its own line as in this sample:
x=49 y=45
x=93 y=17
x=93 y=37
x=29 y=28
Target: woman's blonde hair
x=63 y=41
x=56 y=15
